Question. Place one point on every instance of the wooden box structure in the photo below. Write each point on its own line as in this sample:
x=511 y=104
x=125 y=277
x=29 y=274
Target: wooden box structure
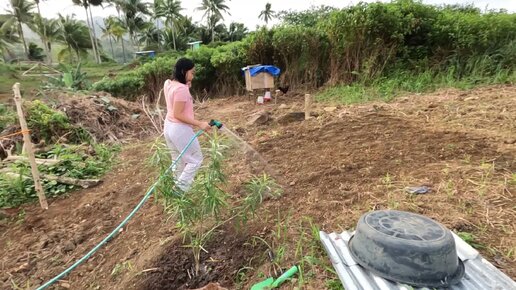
x=261 y=80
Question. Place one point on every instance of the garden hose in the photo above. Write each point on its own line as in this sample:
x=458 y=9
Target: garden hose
x=131 y=214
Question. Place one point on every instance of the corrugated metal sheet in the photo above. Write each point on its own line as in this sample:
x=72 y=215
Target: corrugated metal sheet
x=479 y=275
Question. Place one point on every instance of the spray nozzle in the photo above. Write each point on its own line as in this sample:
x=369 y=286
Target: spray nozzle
x=216 y=124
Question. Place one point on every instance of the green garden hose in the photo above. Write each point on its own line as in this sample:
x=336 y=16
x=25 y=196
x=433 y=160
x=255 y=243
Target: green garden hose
x=124 y=222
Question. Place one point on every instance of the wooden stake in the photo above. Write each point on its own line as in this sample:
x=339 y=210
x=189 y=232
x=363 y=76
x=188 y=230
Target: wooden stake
x=28 y=147
x=308 y=106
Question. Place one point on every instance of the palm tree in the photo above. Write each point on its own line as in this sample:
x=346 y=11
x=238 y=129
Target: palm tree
x=75 y=34
x=48 y=31
x=237 y=31
x=171 y=11
x=149 y=35
x=21 y=11
x=86 y=5
x=95 y=39
x=266 y=14
x=107 y=32
x=118 y=31
x=134 y=12
x=213 y=8
x=8 y=36
x=43 y=35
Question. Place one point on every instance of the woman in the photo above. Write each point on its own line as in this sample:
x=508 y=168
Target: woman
x=179 y=123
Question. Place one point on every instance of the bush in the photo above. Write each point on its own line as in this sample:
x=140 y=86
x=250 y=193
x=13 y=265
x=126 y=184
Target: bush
x=357 y=44
x=77 y=162
x=51 y=125
x=127 y=86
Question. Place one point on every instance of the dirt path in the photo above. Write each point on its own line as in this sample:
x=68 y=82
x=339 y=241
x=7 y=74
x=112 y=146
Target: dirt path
x=333 y=168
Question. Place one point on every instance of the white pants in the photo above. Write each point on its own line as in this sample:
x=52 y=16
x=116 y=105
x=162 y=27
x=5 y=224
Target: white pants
x=177 y=136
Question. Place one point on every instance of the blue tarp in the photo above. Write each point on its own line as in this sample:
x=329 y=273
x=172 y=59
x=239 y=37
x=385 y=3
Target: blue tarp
x=273 y=70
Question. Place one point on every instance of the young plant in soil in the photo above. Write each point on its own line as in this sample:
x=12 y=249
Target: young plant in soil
x=206 y=207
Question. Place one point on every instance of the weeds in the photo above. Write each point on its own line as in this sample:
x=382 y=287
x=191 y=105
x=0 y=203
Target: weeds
x=386 y=88
x=77 y=161
x=470 y=239
x=50 y=125
x=71 y=78
x=7 y=117
x=120 y=268
x=206 y=207
x=297 y=242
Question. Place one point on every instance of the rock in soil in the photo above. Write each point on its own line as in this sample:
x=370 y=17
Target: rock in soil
x=291 y=117
x=68 y=247
x=330 y=109
x=260 y=118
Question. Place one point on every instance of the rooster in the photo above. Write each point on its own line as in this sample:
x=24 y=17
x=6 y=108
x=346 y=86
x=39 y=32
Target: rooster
x=284 y=89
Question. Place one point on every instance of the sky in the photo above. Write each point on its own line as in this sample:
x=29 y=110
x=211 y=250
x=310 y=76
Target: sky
x=247 y=11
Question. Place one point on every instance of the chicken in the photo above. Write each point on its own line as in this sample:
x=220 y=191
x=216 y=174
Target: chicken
x=284 y=89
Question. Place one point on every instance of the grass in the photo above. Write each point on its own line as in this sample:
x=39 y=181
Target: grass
x=10 y=74
x=296 y=242
x=399 y=83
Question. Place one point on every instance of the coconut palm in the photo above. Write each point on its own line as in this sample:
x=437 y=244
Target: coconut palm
x=266 y=14
x=134 y=13
x=118 y=31
x=107 y=32
x=150 y=35
x=8 y=36
x=171 y=11
x=48 y=31
x=43 y=34
x=75 y=35
x=86 y=5
x=237 y=31
x=213 y=10
x=21 y=11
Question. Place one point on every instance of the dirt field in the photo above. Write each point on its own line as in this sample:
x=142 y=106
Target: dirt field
x=333 y=168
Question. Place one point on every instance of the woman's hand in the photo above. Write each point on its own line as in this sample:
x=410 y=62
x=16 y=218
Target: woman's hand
x=204 y=126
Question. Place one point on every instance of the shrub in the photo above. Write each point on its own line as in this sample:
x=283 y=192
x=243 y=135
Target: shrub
x=127 y=86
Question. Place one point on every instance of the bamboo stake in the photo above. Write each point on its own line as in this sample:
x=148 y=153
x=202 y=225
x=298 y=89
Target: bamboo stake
x=28 y=147
x=308 y=106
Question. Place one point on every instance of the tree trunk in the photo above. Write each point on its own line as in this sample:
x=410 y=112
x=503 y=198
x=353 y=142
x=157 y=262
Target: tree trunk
x=123 y=48
x=44 y=37
x=159 y=32
x=20 y=30
x=99 y=59
x=174 y=35
x=122 y=37
x=91 y=35
x=112 y=50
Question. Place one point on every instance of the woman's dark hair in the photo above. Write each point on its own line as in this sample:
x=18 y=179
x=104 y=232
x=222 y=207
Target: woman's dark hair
x=183 y=65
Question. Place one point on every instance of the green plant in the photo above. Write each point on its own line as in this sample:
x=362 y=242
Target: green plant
x=77 y=161
x=205 y=207
x=71 y=78
x=471 y=239
x=46 y=122
x=121 y=267
x=35 y=52
x=334 y=284
x=127 y=86
x=7 y=117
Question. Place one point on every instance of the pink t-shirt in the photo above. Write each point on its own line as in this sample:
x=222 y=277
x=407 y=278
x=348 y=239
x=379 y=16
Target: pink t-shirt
x=178 y=92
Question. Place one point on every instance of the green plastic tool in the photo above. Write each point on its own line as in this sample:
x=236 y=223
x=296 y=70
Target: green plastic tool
x=265 y=284
x=271 y=283
x=291 y=272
